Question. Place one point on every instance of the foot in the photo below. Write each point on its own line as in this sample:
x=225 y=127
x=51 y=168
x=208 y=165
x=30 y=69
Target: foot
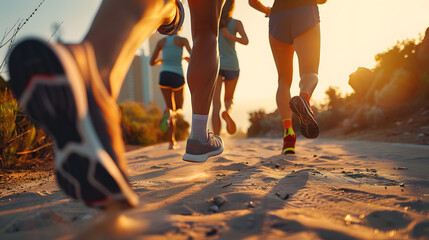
x=289 y=139
x=231 y=128
x=302 y=109
x=75 y=107
x=173 y=146
x=177 y=22
x=198 y=151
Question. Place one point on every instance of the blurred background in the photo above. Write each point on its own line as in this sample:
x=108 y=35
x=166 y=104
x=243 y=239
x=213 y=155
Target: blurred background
x=374 y=76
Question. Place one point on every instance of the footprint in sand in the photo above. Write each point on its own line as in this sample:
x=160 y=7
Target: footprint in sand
x=222 y=160
x=418 y=206
x=231 y=167
x=388 y=220
x=421 y=230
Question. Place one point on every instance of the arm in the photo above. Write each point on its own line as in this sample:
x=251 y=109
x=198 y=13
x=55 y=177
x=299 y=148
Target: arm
x=240 y=29
x=256 y=4
x=154 y=59
x=185 y=43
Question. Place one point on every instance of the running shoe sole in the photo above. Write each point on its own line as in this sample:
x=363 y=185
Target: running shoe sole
x=287 y=151
x=309 y=127
x=188 y=157
x=48 y=85
x=231 y=128
x=202 y=157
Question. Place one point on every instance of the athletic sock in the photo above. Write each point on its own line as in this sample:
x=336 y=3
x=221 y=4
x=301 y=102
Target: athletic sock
x=287 y=126
x=305 y=96
x=199 y=127
x=287 y=123
x=288 y=131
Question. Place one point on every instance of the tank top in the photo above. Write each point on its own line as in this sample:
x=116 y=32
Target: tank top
x=281 y=5
x=228 y=55
x=172 y=56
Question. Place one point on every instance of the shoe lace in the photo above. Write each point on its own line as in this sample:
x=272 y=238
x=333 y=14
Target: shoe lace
x=213 y=141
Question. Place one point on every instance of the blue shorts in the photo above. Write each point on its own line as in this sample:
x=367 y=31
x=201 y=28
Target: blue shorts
x=286 y=25
x=229 y=74
x=171 y=80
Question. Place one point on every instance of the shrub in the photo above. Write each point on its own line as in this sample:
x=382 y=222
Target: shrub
x=268 y=125
x=140 y=124
x=22 y=144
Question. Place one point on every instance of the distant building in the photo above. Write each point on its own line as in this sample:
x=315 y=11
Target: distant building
x=141 y=81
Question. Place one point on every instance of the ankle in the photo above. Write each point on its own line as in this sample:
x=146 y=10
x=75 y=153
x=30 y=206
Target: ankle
x=199 y=127
x=288 y=131
x=287 y=123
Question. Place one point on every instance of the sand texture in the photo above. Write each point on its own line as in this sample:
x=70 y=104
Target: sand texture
x=331 y=189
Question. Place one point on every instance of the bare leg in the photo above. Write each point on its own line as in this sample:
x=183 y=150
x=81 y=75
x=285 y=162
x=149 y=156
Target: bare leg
x=90 y=119
x=179 y=96
x=119 y=28
x=202 y=74
x=172 y=131
x=168 y=98
x=204 y=64
x=217 y=125
x=283 y=57
x=229 y=93
x=307 y=47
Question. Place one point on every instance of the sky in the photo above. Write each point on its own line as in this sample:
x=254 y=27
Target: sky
x=352 y=33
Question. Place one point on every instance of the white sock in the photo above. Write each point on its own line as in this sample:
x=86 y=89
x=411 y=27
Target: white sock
x=199 y=127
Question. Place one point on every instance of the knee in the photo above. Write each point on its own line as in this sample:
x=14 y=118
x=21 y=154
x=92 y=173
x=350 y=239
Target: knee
x=309 y=79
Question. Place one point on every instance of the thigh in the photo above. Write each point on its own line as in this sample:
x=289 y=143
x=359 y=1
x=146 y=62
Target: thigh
x=283 y=57
x=307 y=47
x=178 y=98
x=205 y=15
x=167 y=93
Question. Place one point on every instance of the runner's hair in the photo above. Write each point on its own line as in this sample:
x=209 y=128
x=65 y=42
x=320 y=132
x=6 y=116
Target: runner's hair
x=226 y=15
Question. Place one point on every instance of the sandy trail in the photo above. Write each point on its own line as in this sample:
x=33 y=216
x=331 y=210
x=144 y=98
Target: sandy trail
x=330 y=189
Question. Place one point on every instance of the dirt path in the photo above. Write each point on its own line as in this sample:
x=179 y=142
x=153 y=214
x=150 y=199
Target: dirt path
x=330 y=189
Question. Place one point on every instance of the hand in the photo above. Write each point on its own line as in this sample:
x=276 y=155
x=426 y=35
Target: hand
x=158 y=62
x=268 y=12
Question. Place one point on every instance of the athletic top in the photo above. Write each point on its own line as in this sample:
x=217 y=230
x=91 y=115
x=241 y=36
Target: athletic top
x=281 y=5
x=228 y=55
x=172 y=56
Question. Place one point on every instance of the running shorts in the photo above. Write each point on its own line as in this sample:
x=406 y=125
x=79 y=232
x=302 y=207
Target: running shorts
x=229 y=74
x=288 y=24
x=170 y=80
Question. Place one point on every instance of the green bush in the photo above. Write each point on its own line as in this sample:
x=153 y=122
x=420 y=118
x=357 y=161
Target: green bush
x=268 y=125
x=22 y=144
x=140 y=124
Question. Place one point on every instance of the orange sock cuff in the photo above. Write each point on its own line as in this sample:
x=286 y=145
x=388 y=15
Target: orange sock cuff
x=287 y=123
x=305 y=95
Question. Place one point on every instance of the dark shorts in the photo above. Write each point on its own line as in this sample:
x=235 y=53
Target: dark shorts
x=170 y=80
x=229 y=74
x=286 y=25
